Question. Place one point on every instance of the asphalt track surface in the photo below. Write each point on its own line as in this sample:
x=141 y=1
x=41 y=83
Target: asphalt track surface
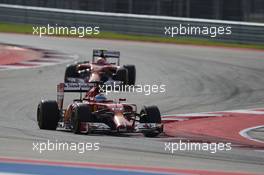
x=197 y=79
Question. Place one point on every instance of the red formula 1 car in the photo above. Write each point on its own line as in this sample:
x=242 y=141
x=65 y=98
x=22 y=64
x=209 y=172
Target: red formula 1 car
x=95 y=113
x=105 y=67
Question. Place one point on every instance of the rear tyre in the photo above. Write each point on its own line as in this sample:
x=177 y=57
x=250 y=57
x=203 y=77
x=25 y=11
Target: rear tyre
x=82 y=113
x=131 y=69
x=121 y=75
x=71 y=72
x=150 y=114
x=48 y=115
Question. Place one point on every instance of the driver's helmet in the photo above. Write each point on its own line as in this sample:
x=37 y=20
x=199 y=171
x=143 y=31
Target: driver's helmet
x=101 y=60
x=100 y=98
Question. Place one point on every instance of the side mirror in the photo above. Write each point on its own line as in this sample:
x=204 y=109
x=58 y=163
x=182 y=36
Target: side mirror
x=122 y=99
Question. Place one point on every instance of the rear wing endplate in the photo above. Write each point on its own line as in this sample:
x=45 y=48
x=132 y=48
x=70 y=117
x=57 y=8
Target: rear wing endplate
x=71 y=87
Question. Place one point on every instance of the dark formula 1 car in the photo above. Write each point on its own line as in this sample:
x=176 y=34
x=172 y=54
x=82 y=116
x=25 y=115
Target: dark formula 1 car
x=105 y=66
x=95 y=113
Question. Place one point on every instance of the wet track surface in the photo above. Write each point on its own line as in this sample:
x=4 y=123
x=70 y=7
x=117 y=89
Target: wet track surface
x=197 y=79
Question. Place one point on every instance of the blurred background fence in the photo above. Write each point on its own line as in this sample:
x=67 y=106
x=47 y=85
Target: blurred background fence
x=152 y=23
x=148 y=25
x=238 y=10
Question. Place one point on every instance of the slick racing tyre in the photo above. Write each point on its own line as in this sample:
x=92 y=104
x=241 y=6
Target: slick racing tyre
x=71 y=72
x=121 y=75
x=82 y=113
x=150 y=114
x=48 y=115
x=131 y=69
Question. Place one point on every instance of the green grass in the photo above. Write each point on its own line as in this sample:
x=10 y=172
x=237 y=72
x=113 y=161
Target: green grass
x=16 y=28
x=27 y=29
x=185 y=40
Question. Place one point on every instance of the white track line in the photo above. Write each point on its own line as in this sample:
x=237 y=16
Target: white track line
x=3 y=173
x=218 y=113
x=36 y=64
x=193 y=115
x=244 y=132
x=246 y=112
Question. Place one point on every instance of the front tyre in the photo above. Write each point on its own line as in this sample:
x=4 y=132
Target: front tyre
x=131 y=69
x=48 y=115
x=150 y=114
x=121 y=75
x=82 y=113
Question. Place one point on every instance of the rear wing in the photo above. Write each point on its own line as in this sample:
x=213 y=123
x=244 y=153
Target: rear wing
x=71 y=87
x=106 y=54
